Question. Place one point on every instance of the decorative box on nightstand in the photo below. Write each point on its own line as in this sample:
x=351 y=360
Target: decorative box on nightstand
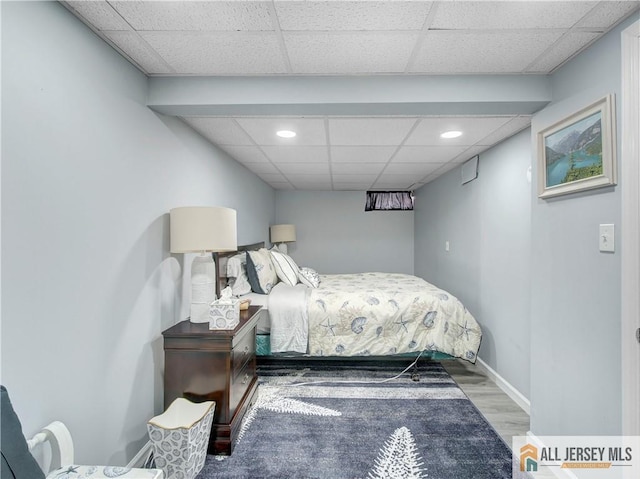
x=214 y=365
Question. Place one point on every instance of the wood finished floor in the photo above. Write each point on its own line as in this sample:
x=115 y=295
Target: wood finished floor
x=506 y=417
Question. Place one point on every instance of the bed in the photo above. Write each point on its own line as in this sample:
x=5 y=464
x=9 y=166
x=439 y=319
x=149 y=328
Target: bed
x=346 y=315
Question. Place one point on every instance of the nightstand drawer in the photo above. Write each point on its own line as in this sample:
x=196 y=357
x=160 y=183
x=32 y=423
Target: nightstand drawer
x=242 y=353
x=241 y=382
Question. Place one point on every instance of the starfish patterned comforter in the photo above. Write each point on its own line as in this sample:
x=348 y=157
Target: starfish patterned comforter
x=383 y=314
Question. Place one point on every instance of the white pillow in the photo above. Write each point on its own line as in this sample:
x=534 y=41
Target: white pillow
x=286 y=267
x=260 y=271
x=237 y=272
x=309 y=277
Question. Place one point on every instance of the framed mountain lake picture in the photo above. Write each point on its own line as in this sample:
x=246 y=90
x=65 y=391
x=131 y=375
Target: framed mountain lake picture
x=579 y=152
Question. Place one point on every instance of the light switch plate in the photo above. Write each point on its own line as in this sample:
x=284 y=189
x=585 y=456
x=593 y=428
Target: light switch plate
x=607 y=238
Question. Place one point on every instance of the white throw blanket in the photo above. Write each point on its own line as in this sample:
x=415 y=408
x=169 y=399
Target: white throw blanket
x=289 y=318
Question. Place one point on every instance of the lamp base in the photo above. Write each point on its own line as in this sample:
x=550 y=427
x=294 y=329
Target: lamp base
x=203 y=287
x=283 y=248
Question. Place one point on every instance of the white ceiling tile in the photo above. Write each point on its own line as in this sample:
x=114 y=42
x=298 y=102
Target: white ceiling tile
x=281 y=186
x=354 y=179
x=473 y=129
x=351 y=15
x=467 y=155
x=607 y=14
x=303 y=168
x=474 y=52
x=414 y=169
x=356 y=168
x=273 y=177
x=406 y=178
x=139 y=51
x=195 y=15
x=229 y=53
x=393 y=184
x=322 y=182
x=297 y=154
x=440 y=171
x=309 y=131
x=99 y=14
x=369 y=131
x=361 y=154
x=222 y=131
x=510 y=128
x=563 y=49
x=349 y=53
x=426 y=154
x=351 y=186
x=245 y=154
x=509 y=15
x=262 y=168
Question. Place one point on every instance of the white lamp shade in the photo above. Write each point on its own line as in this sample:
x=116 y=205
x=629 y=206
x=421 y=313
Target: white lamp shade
x=283 y=233
x=202 y=228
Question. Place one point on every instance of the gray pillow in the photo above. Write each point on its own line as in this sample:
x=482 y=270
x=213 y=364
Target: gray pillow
x=17 y=461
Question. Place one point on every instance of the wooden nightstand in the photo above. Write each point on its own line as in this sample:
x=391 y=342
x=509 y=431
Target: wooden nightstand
x=214 y=365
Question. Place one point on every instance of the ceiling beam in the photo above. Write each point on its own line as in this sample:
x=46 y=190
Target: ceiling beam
x=352 y=95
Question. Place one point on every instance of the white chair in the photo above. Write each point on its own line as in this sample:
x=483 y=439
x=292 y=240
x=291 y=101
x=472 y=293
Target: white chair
x=63 y=465
x=17 y=461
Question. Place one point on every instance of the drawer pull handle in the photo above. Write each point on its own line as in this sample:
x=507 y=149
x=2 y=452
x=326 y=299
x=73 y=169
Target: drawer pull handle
x=245 y=378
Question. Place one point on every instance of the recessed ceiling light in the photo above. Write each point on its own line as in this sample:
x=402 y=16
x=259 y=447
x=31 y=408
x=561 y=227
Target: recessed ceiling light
x=286 y=133
x=451 y=134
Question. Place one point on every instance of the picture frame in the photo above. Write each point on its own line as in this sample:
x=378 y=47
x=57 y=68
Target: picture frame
x=578 y=153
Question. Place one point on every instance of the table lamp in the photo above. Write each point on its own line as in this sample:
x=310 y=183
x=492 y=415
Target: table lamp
x=202 y=229
x=281 y=235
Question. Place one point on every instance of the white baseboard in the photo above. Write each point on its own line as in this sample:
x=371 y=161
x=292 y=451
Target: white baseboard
x=503 y=384
x=141 y=457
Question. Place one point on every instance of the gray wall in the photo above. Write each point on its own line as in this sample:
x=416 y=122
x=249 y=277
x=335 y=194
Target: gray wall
x=335 y=235
x=487 y=224
x=575 y=302
x=526 y=266
x=89 y=175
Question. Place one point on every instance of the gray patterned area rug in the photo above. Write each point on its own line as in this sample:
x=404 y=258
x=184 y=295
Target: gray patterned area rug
x=338 y=420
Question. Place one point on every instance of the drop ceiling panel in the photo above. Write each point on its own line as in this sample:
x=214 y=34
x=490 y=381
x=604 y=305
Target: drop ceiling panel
x=351 y=15
x=562 y=50
x=427 y=154
x=479 y=52
x=361 y=154
x=473 y=129
x=195 y=15
x=139 y=51
x=222 y=131
x=100 y=15
x=510 y=128
x=413 y=169
x=311 y=182
x=356 y=168
x=263 y=168
x=369 y=131
x=297 y=154
x=349 y=52
x=225 y=53
x=350 y=37
x=607 y=14
x=303 y=168
x=246 y=154
x=309 y=131
x=509 y=15
x=395 y=182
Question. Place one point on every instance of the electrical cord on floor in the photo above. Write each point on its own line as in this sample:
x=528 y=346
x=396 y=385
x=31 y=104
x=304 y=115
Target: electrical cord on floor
x=415 y=376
